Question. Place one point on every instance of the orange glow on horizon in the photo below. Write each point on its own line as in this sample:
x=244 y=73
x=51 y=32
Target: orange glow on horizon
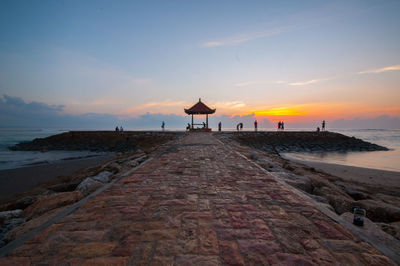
x=281 y=111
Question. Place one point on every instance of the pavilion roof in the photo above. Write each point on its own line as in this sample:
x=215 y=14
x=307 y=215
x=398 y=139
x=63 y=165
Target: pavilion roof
x=199 y=109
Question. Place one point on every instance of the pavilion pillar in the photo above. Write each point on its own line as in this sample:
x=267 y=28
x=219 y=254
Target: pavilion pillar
x=192 y=121
x=207 y=121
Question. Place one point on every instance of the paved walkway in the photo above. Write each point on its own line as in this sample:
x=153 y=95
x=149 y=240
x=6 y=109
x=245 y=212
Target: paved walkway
x=199 y=203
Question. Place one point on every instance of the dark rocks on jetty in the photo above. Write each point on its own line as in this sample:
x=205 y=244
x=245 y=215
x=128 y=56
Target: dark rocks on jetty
x=96 y=141
x=292 y=141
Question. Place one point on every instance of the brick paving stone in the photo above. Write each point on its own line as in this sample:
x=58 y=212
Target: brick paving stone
x=198 y=203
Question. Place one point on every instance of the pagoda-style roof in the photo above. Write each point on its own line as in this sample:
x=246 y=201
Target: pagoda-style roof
x=199 y=109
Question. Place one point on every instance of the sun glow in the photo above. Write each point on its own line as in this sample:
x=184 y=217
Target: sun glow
x=281 y=111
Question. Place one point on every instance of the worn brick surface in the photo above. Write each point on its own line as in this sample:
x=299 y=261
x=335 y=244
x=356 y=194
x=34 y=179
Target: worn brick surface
x=198 y=203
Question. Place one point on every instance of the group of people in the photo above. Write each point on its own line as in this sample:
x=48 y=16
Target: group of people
x=120 y=129
x=239 y=126
x=281 y=125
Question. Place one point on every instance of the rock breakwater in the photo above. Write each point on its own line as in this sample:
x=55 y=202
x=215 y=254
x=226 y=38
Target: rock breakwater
x=292 y=141
x=96 y=141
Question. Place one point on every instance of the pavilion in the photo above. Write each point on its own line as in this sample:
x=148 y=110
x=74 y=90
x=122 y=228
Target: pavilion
x=200 y=109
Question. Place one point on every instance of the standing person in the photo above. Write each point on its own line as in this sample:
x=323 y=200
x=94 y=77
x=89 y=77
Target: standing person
x=279 y=125
x=162 y=125
x=219 y=126
x=255 y=126
x=241 y=126
x=323 y=125
x=121 y=129
x=116 y=129
x=283 y=126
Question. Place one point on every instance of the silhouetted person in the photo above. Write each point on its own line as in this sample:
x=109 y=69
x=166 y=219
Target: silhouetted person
x=279 y=125
x=163 y=125
x=241 y=126
x=255 y=126
x=318 y=129
x=323 y=125
x=116 y=129
x=121 y=129
x=219 y=126
x=282 y=125
x=188 y=127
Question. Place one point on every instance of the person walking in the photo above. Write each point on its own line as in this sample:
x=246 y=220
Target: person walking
x=163 y=125
x=323 y=125
x=255 y=126
x=219 y=126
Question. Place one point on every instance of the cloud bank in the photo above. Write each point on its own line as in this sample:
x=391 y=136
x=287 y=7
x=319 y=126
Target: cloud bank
x=15 y=112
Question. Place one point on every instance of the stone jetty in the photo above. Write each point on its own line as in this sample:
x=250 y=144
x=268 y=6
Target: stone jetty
x=197 y=202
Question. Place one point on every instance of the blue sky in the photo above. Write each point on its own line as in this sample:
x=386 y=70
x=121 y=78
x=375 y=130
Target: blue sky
x=308 y=59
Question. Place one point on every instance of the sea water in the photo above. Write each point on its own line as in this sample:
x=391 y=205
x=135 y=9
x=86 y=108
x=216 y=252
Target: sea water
x=384 y=160
x=15 y=159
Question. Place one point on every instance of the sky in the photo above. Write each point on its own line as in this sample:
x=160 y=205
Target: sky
x=142 y=61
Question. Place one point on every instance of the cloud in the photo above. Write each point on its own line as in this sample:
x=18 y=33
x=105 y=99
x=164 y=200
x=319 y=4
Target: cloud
x=381 y=70
x=297 y=83
x=302 y=83
x=246 y=37
x=18 y=104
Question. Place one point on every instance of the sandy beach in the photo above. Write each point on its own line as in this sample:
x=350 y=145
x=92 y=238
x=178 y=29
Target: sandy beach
x=19 y=180
x=368 y=176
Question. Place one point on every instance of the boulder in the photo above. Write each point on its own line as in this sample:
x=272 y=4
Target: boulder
x=25 y=202
x=51 y=202
x=340 y=204
x=379 y=211
x=103 y=177
x=392 y=229
x=113 y=167
x=88 y=185
x=7 y=215
x=9 y=225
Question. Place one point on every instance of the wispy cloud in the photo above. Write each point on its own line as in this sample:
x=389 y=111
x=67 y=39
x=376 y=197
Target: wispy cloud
x=380 y=70
x=230 y=104
x=290 y=83
x=246 y=37
x=307 y=82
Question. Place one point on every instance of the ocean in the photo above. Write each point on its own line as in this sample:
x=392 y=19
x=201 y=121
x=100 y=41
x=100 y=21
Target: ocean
x=385 y=160
x=16 y=159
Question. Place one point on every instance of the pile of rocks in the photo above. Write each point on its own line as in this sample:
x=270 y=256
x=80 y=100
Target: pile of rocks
x=96 y=141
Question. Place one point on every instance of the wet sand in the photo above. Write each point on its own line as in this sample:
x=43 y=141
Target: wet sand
x=368 y=176
x=19 y=180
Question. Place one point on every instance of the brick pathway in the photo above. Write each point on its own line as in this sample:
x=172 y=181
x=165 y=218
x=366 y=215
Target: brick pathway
x=199 y=203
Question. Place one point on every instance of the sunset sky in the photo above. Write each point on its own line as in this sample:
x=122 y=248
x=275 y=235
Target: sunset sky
x=294 y=60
